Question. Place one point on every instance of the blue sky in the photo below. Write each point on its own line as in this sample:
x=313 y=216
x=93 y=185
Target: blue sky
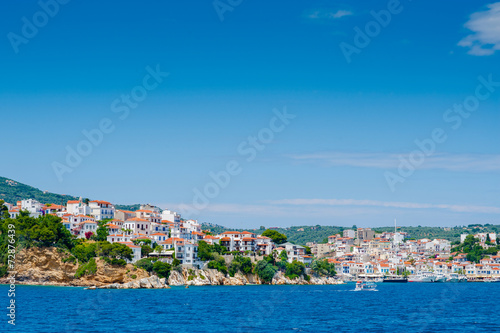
x=354 y=118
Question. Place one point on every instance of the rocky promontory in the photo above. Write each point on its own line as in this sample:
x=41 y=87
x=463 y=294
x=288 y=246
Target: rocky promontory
x=49 y=266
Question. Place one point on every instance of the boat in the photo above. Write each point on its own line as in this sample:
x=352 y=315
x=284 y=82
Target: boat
x=368 y=286
x=440 y=278
x=422 y=277
x=493 y=279
x=396 y=279
x=455 y=277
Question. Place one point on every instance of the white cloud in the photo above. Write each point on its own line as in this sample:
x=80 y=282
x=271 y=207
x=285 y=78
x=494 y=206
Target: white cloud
x=450 y=162
x=341 y=13
x=326 y=14
x=388 y=204
x=485 y=27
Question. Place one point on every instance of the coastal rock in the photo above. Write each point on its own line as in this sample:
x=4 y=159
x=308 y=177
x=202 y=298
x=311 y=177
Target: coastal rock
x=43 y=266
x=145 y=283
x=154 y=282
x=46 y=266
x=176 y=279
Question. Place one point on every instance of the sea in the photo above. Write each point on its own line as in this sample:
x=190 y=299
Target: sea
x=394 y=307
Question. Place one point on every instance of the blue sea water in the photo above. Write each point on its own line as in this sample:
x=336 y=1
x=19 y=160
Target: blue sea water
x=410 y=307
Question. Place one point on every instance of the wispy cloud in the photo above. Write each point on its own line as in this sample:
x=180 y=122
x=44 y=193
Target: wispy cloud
x=328 y=207
x=328 y=14
x=485 y=27
x=388 y=204
x=450 y=162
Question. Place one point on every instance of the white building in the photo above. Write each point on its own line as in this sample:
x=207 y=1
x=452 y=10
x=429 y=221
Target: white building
x=349 y=233
x=101 y=210
x=33 y=207
x=170 y=216
x=138 y=225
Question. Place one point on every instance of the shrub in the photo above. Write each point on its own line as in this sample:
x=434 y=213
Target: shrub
x=70 y=259
x=265 y=270
x=3 y=271
x=162 y=269
x=89 y=268
x=219 y=264
x=295 y=269
x=145 y=264
x=133 y=277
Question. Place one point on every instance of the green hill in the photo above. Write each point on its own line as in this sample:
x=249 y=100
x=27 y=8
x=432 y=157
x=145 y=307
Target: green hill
x=319 y=234
x=12 y=191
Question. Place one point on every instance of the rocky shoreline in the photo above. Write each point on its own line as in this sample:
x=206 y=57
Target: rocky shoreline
x=211 y=277
x=47 y=267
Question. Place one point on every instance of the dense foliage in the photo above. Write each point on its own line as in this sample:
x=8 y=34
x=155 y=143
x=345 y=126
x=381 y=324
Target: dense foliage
x=319 y=234
x=295 y=269
x=206 y=251
x=265 y=270
x=475 y=252
x=240 y=264
x=218 y=263
x=89 y=268
x=146 y=264
x=18 y=191
x=162 y=269
x=323 y=268
x=278 y=238
x=30 y=232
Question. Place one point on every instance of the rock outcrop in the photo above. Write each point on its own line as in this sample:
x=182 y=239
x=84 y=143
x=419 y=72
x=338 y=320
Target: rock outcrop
x=46 y=266
x=211 y=277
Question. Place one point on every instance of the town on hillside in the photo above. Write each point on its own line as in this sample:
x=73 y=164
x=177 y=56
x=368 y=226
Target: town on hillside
x=356 y=253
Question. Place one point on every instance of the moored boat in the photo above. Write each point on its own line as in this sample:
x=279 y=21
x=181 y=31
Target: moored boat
x=422 y=277
x=396 y=279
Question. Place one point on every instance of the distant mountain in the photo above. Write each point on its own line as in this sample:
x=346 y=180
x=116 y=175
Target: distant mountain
x=319 y=234
x=12 y=191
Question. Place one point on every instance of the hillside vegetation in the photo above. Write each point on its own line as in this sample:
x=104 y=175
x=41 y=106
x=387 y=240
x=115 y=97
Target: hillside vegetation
x=12 y=191
x=319 y=234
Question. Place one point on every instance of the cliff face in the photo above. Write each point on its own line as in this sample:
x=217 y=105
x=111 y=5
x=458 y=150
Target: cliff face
x=45 y=266
x=209 y=277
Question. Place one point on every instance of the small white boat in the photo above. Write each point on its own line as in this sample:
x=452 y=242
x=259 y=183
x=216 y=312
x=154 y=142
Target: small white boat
x=362 y=285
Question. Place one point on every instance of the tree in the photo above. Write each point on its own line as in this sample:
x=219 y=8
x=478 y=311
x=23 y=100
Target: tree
x=204 y=251
x=162 y=269
x=277 y=237
x=240 y=264
x=265 y=271
x=283 y=256
x=89 y=234
x=219 y=264
x=145 y=264
x=4 y=211
x=295 y=269
x=146 y=250
x=323 y=268
x=488 y=239
x=102 y=233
